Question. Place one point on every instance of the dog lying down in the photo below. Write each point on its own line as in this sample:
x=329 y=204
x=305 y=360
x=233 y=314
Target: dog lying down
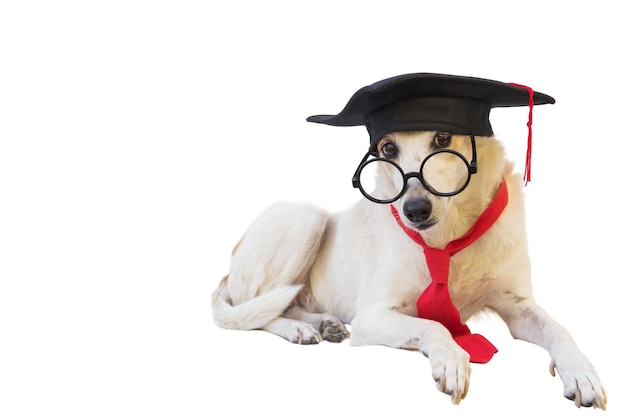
x=433 y=173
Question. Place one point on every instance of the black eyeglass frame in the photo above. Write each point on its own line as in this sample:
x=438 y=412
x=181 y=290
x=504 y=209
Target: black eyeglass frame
x=472 y=168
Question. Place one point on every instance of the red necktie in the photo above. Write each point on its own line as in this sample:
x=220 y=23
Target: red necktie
x=435 y=302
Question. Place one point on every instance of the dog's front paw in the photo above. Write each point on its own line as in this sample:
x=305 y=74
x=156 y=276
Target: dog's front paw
x=451 y=371
x=581 y=382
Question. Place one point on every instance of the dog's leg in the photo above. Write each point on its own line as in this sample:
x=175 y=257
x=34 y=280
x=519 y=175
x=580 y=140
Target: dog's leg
x=330 y=327
x=528 y=321
x=268 y=269
x=450 y=364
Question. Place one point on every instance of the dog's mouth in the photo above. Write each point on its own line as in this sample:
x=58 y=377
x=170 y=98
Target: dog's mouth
x=425 y=225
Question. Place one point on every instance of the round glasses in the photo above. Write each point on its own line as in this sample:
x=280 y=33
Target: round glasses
x=445 y=173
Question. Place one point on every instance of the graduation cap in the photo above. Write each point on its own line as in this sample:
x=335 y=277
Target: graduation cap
x=425 y=101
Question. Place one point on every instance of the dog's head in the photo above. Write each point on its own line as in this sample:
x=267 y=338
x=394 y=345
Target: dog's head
x=445 y=172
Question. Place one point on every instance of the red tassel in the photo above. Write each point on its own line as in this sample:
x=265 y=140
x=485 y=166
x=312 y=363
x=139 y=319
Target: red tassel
x=529 y=146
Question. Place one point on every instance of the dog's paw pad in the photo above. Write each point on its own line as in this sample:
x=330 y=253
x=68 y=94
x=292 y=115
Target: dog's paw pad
x=333 y=331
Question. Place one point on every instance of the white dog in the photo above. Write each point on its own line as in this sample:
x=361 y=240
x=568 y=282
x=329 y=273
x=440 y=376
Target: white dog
x=301 y=273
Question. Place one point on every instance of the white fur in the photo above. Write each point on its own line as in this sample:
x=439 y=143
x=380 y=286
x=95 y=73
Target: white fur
x=301 y=273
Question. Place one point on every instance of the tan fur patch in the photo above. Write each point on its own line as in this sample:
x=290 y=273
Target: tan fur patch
x=236 y=246
x=224 y=280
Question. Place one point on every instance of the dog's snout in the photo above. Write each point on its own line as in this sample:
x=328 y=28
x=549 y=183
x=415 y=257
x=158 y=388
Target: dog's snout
x=418 y=210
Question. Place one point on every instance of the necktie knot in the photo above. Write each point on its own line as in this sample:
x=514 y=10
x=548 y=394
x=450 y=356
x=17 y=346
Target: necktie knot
x=438 y=261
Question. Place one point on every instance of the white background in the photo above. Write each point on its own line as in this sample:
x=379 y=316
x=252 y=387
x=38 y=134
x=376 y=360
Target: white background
x=139 y=139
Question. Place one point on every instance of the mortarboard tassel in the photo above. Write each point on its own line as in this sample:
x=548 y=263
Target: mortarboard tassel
x=529 y=146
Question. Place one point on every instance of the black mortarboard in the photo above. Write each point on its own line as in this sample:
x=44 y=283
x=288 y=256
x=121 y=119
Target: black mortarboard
x=423 y=101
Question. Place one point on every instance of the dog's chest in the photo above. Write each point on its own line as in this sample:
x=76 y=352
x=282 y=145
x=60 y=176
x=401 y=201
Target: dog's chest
x=470 y=282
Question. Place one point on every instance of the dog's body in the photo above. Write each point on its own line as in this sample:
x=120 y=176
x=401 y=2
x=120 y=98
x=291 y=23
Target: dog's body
x=301 y=273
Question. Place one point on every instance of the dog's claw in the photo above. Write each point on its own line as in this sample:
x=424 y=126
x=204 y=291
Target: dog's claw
x=466 y=389
x=577 y=400
x=457 y=395
x=606 y=399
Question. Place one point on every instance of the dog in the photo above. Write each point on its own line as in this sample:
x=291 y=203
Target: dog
x=303 y=274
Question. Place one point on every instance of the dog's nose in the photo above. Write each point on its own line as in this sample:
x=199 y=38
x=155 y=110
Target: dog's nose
x=418 y=210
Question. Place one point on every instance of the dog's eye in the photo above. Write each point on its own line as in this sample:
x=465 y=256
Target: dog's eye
x=442 y=140
x=389 y=150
